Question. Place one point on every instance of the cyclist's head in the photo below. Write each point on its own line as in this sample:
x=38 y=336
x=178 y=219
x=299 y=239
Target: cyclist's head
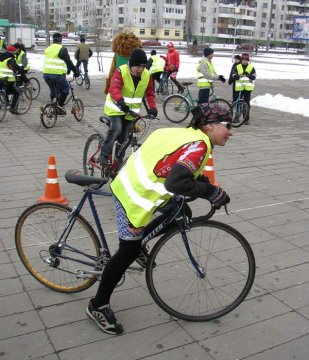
x=237 y=59
x=138 y=62
x=208 y=51
x=170 y=46
x=153 y=52
x=57 y=38
x=82 y=39
x=245 y=57
x=11 y=49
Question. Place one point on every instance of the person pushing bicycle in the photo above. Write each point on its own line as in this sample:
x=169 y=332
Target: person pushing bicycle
x=82 y=54
x=168 y=163
x=129 y=85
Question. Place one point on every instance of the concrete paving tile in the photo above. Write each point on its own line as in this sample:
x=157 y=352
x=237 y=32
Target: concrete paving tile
x=249 y=312
x=146 y=342
x=7 y=271
x=271 y=247
x=10 y=286
x=299 y=240
x=295 y=297
x=290 y=229
x=19 y=324
x=4 y=257
x=16 y=303
x=296 y=349
x=28 y=346
x=304 y=312
x=256 y=338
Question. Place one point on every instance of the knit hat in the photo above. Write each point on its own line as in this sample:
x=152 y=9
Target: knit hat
x=82 y=39
x=238 y=57
x=153 y=52
x=245 y=57
x=12 y=49
x=208 y=51
x=138 y=58
x=57 y=37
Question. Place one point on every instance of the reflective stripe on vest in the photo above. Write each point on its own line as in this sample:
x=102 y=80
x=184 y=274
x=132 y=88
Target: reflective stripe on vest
x=137 y=187
x=202 y=82
x=132 y=97
x=157 y=64
x=5 y=71
x=1 y=43
x=19 y=60
x=53 y=64
x=244 y=83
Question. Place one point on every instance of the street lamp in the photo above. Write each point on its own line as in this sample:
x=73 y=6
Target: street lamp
x=203 y=19
x=20 y=23
x=236 y=11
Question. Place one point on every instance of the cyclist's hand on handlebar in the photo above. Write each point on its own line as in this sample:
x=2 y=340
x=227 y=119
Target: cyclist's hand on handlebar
x=251 y=77
x=222 y=78
x=152 y=112
x=236 y=77
x=219 y=198
x=123 y=106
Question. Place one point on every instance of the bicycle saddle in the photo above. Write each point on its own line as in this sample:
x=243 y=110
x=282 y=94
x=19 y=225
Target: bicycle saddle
x=187 y=83
x=76 y=177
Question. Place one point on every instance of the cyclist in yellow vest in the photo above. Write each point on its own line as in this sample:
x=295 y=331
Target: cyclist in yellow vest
x=8 y=69
x=244 y=74
x=168 y=163
x=206 y=75
x=155 y=65
x=2 y=44
x=129 y=85
x=57 y=65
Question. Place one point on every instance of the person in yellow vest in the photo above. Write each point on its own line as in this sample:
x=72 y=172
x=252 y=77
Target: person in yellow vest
x=244 y=74
x=206 y=75
x=8 y=69
x=82 y=54
x=2 y=43
x=57 y=64
x=168 y=163
x=155 y=65
x=129 y=85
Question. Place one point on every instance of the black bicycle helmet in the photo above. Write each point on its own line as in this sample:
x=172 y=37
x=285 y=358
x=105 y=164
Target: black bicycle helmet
x=209 y=113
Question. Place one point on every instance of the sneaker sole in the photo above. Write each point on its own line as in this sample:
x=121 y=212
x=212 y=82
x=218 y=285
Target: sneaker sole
x=104 y=330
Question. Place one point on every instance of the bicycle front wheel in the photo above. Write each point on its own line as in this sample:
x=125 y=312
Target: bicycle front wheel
x=79 y=80
x=176 y=108
x=48 y=116
x=34 y=86
x=240 y=112
x=224 y=104
x=78 y=109
x=225 y=258
x=37 y=232
x=3 y=105
x=25 y=101
x=92 y=151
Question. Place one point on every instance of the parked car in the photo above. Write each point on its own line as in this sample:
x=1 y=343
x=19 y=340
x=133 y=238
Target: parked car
x=247 y=47
x=151 y=43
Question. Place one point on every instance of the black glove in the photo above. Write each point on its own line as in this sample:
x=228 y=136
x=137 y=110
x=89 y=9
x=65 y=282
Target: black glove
x=222 y=78
x=203 y=178
x=236 y=77
x=251 y=77
x=123 y=106
x=152 y=112
x=219 y=198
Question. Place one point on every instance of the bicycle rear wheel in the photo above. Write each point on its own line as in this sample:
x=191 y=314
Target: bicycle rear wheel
x=49 y=115
x=240 y=112
x=25 y=101
x=224 y=104
x=3 y=105
x=34 y=86
x=79 y=80
x=78 y=109
x=225 y=257
x=37 y=232
x=92 y=151
x=176 y=108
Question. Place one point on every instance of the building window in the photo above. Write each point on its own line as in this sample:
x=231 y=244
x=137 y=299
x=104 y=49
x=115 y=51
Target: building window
x=177 y=22
x=142 y=20
x=264 y=15
x=142 y=10
x=167 y=22
x=143 y=1
x=166 y=33
x=177 y=33
x=153 y=31
x=168 y=1
x=265 y=5
x=154 y=1
x=142 y=31
x=153 y=11
x=178 y=2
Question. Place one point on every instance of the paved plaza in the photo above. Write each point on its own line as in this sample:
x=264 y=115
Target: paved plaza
x=265 y=170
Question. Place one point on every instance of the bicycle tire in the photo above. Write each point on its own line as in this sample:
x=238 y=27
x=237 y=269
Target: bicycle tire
x=49 y=116
x=3 y=106
x=224 y=104
x=39 y=228
x=34 y=86
x=240 y=112
x=176 y=108
x=92 y=150
x=79 y=80
x=25 y=101
x=225 y=256
x=78 y=109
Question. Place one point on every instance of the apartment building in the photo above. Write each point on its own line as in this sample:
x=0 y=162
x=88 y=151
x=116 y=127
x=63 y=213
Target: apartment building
x=213 y=20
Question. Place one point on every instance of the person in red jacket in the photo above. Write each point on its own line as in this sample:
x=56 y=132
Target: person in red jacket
x=172 y=66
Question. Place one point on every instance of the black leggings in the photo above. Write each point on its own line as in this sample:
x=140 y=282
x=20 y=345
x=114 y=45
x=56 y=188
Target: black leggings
x=127 y=253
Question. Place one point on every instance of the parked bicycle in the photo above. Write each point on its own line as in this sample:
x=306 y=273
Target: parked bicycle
x=240 y=107
x=177 y=108
x=93 y=145
x=83 y=79
x=51 y=110
x=24 y=102
x=198 y=269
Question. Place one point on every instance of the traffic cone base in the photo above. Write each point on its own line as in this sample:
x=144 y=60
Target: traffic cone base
x=209 y=170
x=52 y=188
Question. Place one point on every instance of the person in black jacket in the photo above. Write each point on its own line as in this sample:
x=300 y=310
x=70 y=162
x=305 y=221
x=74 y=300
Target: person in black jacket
x=237 y=60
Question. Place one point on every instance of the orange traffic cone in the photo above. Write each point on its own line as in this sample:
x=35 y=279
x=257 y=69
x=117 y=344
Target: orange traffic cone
x=209 y=170
x=52 y=189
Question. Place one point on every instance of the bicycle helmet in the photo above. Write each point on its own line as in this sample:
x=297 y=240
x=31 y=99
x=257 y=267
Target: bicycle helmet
x=209 y=113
